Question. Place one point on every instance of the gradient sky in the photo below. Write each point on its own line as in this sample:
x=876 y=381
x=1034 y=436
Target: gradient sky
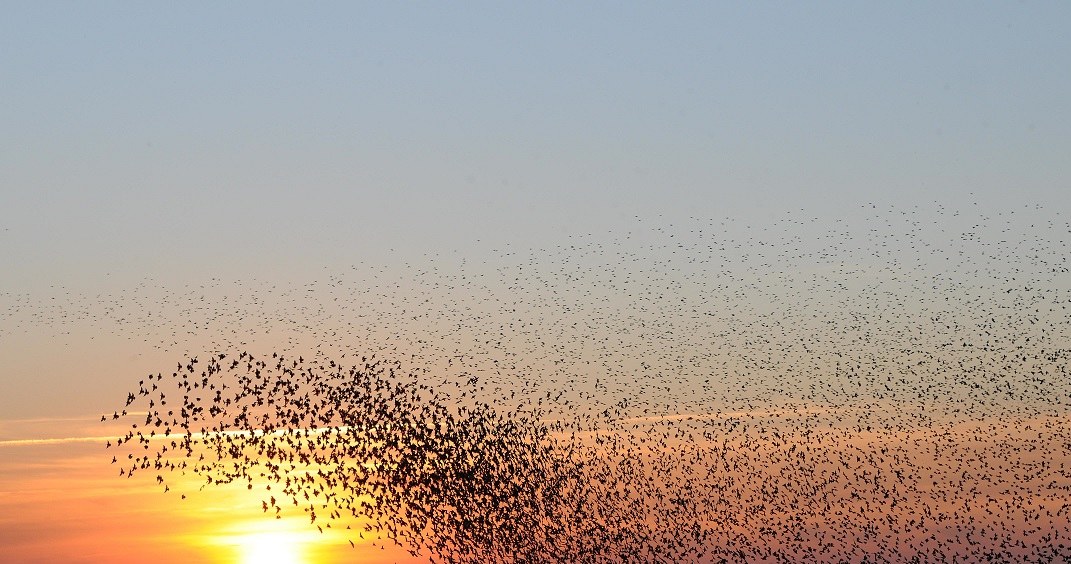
x=142 y=139
x=154 y=154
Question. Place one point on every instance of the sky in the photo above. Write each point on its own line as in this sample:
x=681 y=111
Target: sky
x=574 y=192
x=145 y=138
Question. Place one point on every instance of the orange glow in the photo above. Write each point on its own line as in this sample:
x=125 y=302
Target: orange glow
x=60 y=501
x=266 y=542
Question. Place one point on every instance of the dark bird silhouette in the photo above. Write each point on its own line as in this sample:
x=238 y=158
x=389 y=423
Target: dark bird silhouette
x=889 y=387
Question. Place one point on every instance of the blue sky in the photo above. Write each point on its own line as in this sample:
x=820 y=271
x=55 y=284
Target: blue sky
x=185 y=177
x=154 y=139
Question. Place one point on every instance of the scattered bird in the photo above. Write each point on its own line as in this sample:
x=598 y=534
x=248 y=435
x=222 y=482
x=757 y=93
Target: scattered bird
x=891 y=386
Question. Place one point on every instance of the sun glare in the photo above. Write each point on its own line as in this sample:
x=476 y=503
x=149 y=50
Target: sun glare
x=284 y=541
x=270 y=548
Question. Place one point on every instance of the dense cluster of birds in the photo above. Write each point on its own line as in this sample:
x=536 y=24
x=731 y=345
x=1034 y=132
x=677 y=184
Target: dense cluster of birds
x=888 y=387
x=368 y=445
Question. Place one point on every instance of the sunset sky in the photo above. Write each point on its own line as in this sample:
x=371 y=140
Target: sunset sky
x=425 y=178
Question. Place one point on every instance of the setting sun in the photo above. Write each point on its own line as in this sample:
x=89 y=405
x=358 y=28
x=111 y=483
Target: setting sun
x=283 y=541
x=271 y=548
x=536 y=282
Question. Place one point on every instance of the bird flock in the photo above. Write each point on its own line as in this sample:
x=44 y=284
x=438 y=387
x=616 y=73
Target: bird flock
x=887 y=387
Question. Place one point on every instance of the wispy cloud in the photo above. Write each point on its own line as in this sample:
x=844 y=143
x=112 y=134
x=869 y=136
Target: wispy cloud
x=53 y=441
